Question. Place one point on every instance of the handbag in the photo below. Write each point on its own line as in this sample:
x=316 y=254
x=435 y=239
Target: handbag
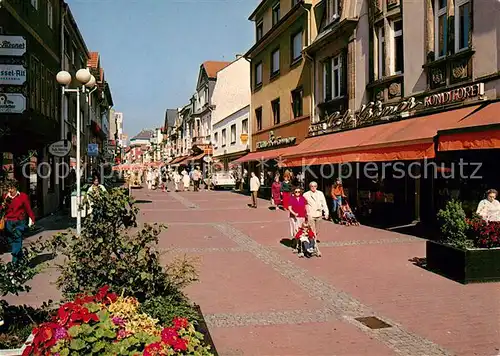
x=2 y=224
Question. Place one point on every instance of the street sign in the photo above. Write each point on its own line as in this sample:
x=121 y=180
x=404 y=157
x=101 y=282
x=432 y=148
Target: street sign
x=13 y=46
x=12 y=103
x=93 y=150
x=60 y=148
x=12 y=74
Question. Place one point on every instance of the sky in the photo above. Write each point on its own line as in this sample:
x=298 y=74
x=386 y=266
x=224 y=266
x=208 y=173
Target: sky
x=151 y=50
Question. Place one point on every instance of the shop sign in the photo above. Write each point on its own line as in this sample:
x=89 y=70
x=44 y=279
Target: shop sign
x=455 y=95
x=13 y=46
x=60 y=148
x=244 y=138
x=11 y=103
x=275 y=141
x=12 y=74
x=93 y=149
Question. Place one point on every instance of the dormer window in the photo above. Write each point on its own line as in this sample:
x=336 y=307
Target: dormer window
x=332 y=10
x=276 y=13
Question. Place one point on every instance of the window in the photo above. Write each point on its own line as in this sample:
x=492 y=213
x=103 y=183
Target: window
x=233 y=134
x=50 y=15
x=332 y=10
x=275 y=105
x=297 y=46
x=297 y=108
x=276 y=13
x=275 y=62
x=34 y=3
x=216 y=139
x=332 y=78
x=259 y=30
x=441 y=28
x=223 y=138
x=398 y=55
x=258 y=74
x=244 y=126
x=462 y=24
x=258 y=118
x=381 y=54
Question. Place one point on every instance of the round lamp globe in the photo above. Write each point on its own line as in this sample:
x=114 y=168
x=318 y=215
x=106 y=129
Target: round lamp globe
x=91 y=83
x=83 y=76
x=63 y=77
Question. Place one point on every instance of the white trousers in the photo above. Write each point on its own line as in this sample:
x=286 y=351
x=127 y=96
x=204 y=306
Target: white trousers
x=295 y=224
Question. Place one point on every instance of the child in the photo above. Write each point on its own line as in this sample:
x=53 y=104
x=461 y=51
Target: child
x=307 y=240
x=347 y=214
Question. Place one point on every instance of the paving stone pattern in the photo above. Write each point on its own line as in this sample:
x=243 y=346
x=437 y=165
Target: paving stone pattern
x=340 y=304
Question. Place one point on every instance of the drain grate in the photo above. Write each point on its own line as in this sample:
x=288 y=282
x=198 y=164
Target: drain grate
x=373 y=322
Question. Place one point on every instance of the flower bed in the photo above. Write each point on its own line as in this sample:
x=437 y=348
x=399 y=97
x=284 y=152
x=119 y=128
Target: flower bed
x=107 y=324
x=470 y=248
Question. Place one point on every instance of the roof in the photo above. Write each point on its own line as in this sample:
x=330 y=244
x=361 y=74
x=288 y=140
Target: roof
x=143 y=135
x=93 y=60
x=212 y=67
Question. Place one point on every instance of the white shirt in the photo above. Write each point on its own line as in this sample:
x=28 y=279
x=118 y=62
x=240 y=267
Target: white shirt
x=489 y=210
x=316 y=204
x=254 y=184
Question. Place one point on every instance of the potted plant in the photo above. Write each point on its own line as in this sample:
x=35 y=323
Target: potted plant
x=469 y=249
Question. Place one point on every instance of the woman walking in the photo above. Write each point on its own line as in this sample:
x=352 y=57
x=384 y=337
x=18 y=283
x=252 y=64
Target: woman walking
x=16 y=209
x=297 y=209
x=276 y=193
x=186 y=180
x=286 y=189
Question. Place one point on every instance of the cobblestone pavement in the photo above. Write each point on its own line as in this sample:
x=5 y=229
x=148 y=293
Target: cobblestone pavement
x=261 y=299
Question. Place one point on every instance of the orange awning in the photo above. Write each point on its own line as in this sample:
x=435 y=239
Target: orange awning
x=480 y=130
x=410 y=139
x=198 y=157
x=263 y=155
x=178 y=159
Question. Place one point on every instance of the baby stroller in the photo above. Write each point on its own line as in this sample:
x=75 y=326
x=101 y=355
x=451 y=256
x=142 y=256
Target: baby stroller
x=347 y=217
x=305 y=242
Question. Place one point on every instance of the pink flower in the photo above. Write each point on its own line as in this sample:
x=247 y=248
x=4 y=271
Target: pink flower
x=118 y=321
x=60 y=333
x=180 y=323
x=169 y=335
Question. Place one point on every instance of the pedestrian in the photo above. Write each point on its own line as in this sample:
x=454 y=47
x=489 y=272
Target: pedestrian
x=276 y=193
x=254 y=188
x=196 y=179
x=185 y=180
x=177 y=180
x=316 y=207
x=286 y=189
x=298 y=212
x=16 y=209
x=149 y=179
x=338 y=194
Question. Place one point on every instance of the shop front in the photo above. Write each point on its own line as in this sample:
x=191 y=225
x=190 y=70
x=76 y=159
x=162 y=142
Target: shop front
x=400 y=162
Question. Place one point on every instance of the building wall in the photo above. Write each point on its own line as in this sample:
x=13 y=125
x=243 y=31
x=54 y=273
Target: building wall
x=297 y=128
x=230 y=147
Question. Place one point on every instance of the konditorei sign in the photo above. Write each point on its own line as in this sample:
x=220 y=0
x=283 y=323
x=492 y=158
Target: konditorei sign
x=13 y=46
x=12 y=103
x=12 y=74
x=275 y=141
x=60 y=148
x=376 y=111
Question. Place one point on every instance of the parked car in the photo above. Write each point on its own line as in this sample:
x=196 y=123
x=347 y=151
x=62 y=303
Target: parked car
x=221 y=180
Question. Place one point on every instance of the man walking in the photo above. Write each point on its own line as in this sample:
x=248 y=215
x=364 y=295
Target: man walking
x=196 y=179
x=254 y=188
x=316 y=206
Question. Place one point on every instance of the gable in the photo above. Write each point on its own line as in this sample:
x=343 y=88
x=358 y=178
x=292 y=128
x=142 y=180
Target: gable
x=202 y=77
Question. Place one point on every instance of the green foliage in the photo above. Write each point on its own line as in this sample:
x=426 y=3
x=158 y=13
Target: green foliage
x=107 y=253
x=165 y=308
x=453 y=225
x=13 y=276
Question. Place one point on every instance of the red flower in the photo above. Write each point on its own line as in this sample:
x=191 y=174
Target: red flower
x=180 y=345
x=169 y=335
x=153 y=349
x=180 y=323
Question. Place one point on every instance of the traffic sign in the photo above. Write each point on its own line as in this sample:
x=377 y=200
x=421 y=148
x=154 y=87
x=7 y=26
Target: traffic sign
x=93 y=150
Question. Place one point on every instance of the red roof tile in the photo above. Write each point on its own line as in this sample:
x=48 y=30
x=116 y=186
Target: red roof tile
x=94 y=59
x=212 y=67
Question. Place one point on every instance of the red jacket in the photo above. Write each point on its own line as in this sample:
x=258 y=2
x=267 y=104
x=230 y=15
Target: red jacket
x=18 y=208
x=310 y=234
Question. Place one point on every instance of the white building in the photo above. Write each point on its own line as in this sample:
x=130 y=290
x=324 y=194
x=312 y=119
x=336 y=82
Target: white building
x=230 y=118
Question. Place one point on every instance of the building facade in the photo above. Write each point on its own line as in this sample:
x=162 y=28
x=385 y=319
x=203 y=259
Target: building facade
x=406 y=85
x=231 y=137
x=30 y=58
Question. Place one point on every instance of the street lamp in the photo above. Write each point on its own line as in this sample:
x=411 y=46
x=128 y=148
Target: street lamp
x=86 y=80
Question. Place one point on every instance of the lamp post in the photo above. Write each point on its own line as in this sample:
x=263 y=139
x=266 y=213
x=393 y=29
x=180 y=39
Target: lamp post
x=86 y=80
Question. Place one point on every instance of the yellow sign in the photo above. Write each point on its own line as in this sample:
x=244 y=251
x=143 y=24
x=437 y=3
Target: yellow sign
x=244 y=138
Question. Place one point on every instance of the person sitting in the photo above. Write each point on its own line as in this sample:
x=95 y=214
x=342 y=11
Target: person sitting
x=306 y=241
x=489 y=208
x=348 y=217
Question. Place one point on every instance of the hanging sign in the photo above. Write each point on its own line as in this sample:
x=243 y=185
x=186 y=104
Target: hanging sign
x=12 y=46
x=60 y=148
x=93 y=150
x=12 y=74
x=12 y=103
